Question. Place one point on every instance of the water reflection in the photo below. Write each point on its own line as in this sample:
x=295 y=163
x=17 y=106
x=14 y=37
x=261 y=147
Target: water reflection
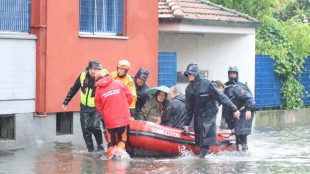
x=273 y=151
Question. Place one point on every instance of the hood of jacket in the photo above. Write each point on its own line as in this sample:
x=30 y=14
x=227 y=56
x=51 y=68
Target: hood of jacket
x=105 y=81
x=143 y=74
x=180 y=97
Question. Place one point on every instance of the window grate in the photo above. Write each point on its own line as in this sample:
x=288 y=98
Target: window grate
x=101 y=16
x=15 y=15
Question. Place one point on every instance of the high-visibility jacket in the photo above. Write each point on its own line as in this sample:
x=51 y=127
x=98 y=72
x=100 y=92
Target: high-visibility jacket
x=88 y=89
x=130 y=83
x=87 y=93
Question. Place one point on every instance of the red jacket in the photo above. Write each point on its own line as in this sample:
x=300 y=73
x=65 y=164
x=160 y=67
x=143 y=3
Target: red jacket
x=112 y=100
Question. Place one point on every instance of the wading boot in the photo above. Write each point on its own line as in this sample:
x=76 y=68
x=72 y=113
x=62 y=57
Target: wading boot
x=100 y=148
x=110 y=152
x=204 y=151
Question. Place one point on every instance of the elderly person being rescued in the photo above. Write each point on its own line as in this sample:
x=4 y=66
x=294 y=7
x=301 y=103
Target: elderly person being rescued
x=154 y=108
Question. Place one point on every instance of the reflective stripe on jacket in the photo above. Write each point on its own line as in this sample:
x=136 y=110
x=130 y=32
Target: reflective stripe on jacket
x=86 y=96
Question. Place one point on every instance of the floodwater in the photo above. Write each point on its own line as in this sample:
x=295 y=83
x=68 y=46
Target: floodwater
x=284 y=149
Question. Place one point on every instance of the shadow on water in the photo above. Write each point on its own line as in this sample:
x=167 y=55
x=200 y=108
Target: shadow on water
x=283 y=149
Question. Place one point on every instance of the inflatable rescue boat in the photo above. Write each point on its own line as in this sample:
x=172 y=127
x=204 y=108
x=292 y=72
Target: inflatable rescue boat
x=154 y=140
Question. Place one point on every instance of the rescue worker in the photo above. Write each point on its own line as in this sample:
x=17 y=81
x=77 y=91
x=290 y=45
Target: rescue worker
x=122 y=75
x=233 y=78
x=112 y=100
x=201 y=96
x=89 y=116
x=245 y=104
x=154 y=108
x=141 y=87
x=175 y=113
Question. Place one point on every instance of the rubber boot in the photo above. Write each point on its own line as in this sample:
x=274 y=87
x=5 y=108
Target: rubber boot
x=238 y=142
x=100 y=148
x=110 y=150
x=121 y=145
x=204 y=151
x=244 y=143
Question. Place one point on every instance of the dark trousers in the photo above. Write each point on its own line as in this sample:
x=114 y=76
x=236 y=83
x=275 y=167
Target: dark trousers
x=120 y=132
x=90 y=124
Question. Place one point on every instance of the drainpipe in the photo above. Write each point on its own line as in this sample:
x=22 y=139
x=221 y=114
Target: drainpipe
x=39 y=27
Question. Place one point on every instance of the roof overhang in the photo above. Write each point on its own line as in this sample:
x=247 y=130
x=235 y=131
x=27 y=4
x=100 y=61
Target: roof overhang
x=207 y=26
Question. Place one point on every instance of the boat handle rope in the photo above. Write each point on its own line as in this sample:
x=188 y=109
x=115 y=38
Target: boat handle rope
x=139 y=139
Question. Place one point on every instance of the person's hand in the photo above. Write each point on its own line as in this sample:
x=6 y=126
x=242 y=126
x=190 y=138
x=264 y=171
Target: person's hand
x=237 y=114
x=248 y=115
x=64 y=106
x=132 y=118
x=186 y=128
x=158 y=119
x=232 y=131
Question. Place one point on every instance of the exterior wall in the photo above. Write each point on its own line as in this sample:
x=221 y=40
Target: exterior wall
x=57 y=25
x=280 y=119
x=29 y=130
x=214 y=53
x=17 y=73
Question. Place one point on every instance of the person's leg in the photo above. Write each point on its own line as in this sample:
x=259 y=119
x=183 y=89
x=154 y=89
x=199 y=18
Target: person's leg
x=84 y=119
x=111 y=139
x=238 y=142
x=122 y=137
x=244 y=143
x=205 y=150
x=96 y=129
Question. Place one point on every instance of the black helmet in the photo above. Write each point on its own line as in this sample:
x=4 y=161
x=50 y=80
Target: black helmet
x=192 y=69
x=94 y=64
x=233 y=69
x=142 y=74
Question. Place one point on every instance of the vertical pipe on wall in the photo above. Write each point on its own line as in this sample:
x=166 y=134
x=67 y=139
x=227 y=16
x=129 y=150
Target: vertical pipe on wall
x=39 y=27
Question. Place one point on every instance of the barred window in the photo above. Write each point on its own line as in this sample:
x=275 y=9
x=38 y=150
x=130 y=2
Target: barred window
x=15 y=15
x=101 y=16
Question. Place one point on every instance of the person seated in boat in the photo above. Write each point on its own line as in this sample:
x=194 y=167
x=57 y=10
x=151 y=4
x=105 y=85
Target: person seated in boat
x=154 y=108
x=141 y=88
x=175 y=113
x=245 y=104
x=112 y=99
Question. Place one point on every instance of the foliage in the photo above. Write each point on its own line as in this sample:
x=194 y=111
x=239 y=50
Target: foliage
x=292 y=9
x=288 y=43
x=257 y=8
x=284 y=36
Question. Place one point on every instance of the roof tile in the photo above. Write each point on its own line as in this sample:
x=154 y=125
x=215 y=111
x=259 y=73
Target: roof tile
x=199 y=9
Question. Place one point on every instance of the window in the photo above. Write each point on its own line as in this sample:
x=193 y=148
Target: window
x=64 y=123
x=7 y=123
x=167 y=69
x=15 y=15
x=101 y=16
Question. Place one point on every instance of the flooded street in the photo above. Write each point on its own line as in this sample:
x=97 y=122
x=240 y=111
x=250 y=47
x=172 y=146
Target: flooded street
x=271 y=150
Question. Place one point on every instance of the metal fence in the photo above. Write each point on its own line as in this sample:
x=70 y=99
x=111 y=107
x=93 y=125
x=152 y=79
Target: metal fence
x=305 y=80
x=267 y=84
x=15 y=15
x=102 y=16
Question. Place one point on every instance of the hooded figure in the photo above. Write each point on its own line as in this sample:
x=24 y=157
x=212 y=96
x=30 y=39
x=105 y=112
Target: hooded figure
x=141 y=89
x=154 y=108
x=201 y=96
x=112 y=101
x=245 y=103
x=235 y=79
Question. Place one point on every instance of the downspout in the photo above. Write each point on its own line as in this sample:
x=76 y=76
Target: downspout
x=39 y=27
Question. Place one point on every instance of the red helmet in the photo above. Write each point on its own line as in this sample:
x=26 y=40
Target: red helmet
x=101 y=73
x=123 y=64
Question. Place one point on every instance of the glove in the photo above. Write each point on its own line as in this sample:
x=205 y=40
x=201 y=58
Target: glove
x=133 y=113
